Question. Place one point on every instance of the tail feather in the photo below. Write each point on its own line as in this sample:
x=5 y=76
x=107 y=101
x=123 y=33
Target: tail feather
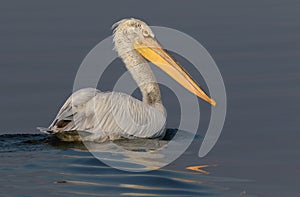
x=44 y=130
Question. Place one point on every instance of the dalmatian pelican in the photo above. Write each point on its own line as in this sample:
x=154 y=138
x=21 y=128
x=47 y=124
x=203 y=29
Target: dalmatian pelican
x=101 y=116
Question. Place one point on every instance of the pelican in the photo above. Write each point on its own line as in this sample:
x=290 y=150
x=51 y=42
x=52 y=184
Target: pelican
x=101 y=116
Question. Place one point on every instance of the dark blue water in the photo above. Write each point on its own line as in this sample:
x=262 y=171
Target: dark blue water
x=256 y=45
x=42 y=165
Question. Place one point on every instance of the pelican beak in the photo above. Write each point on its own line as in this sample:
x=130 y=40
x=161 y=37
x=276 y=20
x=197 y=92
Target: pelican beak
x=150 y=49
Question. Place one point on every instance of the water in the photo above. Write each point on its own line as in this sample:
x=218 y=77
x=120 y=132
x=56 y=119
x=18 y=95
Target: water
x=58 y=168
x=255 y=44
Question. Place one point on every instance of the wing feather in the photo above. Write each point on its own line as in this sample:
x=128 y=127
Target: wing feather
x=108 y=115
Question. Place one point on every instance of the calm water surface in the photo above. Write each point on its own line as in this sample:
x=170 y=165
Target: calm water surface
x=38 y=164
x=256 y=45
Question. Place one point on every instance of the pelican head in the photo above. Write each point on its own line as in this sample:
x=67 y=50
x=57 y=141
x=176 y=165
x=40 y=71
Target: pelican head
x=134 y=38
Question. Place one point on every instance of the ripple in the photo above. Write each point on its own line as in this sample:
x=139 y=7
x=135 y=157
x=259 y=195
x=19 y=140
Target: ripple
x=38 y=163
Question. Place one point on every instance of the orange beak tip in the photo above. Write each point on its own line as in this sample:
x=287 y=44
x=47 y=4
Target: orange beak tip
x=213 y=102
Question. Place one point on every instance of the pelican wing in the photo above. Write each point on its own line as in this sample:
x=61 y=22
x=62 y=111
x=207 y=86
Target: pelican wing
x=108 y=115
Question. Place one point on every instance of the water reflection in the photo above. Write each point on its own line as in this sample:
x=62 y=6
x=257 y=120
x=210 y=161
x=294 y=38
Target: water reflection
x=39 y=163
x=138 y=154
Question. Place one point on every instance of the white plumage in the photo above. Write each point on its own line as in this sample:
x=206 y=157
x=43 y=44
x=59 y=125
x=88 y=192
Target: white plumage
x=108 y=116
x=100 y=116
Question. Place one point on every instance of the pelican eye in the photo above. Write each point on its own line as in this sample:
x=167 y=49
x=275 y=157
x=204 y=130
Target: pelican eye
x=145 y=33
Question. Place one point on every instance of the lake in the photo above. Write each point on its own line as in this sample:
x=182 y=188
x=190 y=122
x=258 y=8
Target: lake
x=256 y=46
